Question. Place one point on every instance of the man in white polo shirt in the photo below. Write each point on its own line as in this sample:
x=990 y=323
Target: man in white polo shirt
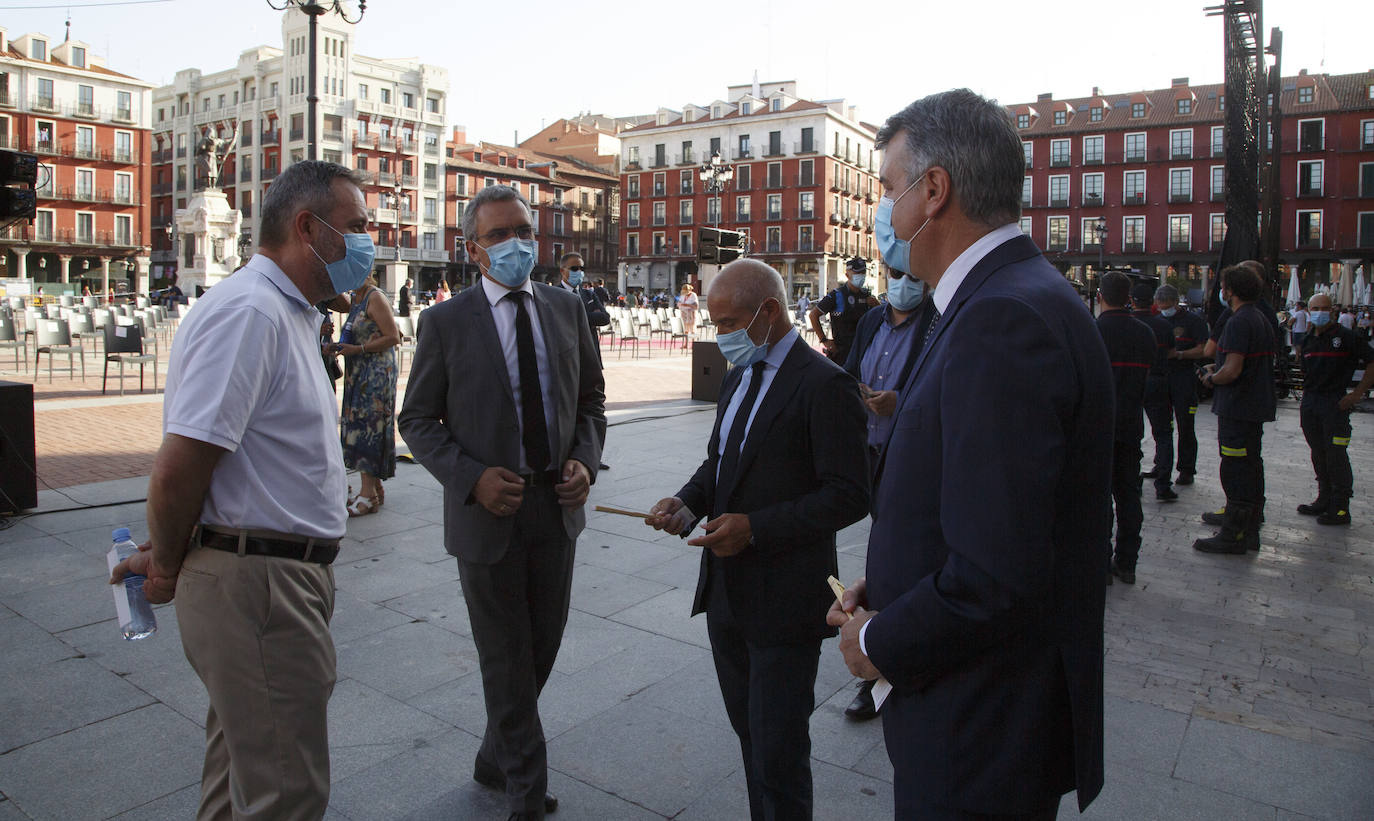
x=246 y=500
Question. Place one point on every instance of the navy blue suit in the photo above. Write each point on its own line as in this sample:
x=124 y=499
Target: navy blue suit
x=992 y=518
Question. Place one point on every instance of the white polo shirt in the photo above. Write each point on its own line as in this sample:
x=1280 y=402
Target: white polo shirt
x=245 y=374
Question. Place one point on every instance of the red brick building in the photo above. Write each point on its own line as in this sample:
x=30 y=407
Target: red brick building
x=804 y=189
x=1151 y=164
x=89 y=126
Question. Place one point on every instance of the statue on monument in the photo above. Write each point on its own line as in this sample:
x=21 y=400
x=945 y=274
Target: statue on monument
x=210 y=157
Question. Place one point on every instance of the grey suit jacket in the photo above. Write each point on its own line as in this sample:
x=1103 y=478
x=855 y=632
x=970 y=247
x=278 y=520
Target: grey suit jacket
x=459 y=413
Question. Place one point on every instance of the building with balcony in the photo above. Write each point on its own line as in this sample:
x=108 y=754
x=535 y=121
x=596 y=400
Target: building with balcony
x=593 y=139
x=573 y=203
x=1151 y=164
x=804 y=187
x=89 y=126
x=383 y=118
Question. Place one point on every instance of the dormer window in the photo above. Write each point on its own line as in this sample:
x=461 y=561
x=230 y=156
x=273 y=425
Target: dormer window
x=1184 y=105
x=715 y=109
x=78 y=56
x=477 y=156
x=38 y=50
x=688 y=115
x=1023 y=121
x=777 y=104
x=746 y=108
x=1061 y=117
x=1095 y=114
x=1137 y=110
x=1305 y=94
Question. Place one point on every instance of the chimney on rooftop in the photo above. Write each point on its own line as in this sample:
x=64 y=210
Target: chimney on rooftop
x=1179 y=81
x=1044 y=98
x=1095 y=92
x=1302 y=72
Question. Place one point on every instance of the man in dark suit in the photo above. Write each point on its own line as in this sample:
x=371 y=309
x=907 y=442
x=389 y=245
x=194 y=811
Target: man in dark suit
x=403 y=298
x=506 y=407
x=786 y=468
x=984 y=595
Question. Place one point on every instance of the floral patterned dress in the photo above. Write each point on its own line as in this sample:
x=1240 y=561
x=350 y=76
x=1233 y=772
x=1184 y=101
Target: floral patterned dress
x=368 y=422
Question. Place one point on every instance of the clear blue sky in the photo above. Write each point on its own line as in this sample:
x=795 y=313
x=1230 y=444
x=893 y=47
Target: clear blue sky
x=517 y=68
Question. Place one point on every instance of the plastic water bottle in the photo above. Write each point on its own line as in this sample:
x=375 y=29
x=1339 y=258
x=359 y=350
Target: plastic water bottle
x=136 y=619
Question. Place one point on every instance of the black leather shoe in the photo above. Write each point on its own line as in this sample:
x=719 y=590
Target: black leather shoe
x=497 y=781
x=603 y=466
x=1150 y=475
x=1126 y=576
x=1165 y=494
x=1184 y=478
x=861 y=708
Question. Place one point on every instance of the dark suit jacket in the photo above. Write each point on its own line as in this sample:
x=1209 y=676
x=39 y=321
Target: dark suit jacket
x=992 y=520
x=459 y=413
x=803 y=475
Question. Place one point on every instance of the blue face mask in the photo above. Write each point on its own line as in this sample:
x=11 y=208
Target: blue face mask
x=575 y=278
x=857 y=280
x=348 y=273
x=1167 y=312
x=906 y=293
x=1319 y=318
x=511 y=261
x=737 y=347
x=896 y=252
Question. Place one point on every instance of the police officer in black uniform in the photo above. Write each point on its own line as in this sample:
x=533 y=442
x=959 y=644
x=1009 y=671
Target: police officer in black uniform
x=1330 y=355
x=1243 y=381
x=1131 y=346
x=1158 y=406
x=1189 y=334
x=846 y=306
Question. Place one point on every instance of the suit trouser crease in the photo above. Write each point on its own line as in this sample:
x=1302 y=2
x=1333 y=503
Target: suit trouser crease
x=1126 y=494
x=256 y=631
x=1324 y=425
x=769 y=694
x=518 y=607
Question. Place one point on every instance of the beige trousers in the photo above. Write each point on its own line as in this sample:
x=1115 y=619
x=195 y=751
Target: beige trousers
x=256 y=631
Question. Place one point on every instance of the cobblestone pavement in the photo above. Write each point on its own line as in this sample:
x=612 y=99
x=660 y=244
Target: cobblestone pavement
x=1237 y=686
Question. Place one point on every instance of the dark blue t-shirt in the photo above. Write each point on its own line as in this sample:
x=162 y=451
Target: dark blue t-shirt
x=1251 y=397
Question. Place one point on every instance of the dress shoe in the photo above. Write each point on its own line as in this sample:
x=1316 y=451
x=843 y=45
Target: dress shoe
x=1334 y=516
x=1126 y=576
x=497 y=781
x=861 y=708
x=1165 y=494
x=604 y=466
x=1184 y=478
x=1150 y=475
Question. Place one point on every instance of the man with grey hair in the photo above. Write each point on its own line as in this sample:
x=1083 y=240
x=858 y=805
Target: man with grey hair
x=786 y=468
x=983 y=603
x=246 y=500
x=506 y=407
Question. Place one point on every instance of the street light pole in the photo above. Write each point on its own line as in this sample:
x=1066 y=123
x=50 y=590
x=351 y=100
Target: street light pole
x=1101 y=226
x=714 y=175
x=313 y=9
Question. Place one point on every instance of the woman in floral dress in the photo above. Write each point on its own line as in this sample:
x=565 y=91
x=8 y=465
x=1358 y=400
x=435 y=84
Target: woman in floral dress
x=368 y=421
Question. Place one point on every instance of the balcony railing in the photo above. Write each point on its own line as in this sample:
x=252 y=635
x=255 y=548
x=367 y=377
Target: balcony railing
x=297 y=134
x=1181 y=154
x=1132 y=247
x=1059 y=202
x=270 y=138
x=1178 y=196
x=660 y=191
x=1092 y=199
x=1057 y=245
x=245 y=174
x=659 y=162
x=1180 y=245
x=44 y=104
x=685 y=219
x=1219 y=196
x=1133 y=199
x=1135 y=156
x=333 y=135
x=1059 y=162
x=804 y=148
x=1309 y=191
x=269 y=172
x=7 y=99
x=744 y=154
x=1095 y=159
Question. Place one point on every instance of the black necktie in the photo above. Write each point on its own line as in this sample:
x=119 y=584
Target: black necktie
x=535 y=433
x=734 y=443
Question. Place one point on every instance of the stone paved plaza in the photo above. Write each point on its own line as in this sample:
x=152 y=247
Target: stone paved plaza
x=1237 y=687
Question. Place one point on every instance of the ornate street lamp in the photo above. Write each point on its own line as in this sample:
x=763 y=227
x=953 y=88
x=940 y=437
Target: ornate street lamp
x=714 y=175
x=1101 y=227
x=313 y=9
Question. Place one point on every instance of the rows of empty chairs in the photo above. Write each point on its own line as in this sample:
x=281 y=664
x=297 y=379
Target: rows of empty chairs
x=77 y=327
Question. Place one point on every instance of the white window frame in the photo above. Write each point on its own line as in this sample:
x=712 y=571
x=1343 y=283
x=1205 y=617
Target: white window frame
x=76 y=223
x=1212 y=181
x=746 y=213
x=1068 y=144
x=1101 y=188
x=801 y=229
x=1144 y=226
x=1218 y=147
x=1187 y=221
x=1321 y=120
x=1049 y=230
x=1027 y=191
x=1360 y=181
x=1180 y=131
x=1367 y=134
x=1186 y=171
x=1321 y=189
x=128 y=179
x=1088 y=226
x=1144 y=182
x=1359 y=220
x=52 y=224
x=1297 y=227
x=1212 y=240
x=1126 y=146
x=128 y=222
x=1068 y=190
x=1102 y=148
x=1028 y=151
x=1027 y=225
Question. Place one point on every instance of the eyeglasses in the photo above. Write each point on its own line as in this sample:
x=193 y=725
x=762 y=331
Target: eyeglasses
x=893 y=273
x=496 y=235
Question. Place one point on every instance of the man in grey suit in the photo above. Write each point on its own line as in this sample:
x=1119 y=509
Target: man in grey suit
x=506 y=407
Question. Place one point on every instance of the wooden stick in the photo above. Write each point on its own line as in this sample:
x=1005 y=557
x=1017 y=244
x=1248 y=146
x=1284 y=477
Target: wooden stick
x=617 y=511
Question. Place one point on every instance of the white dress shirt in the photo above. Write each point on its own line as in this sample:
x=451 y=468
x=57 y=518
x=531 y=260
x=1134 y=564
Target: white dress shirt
x=777 y=352
x=245 y=374
x=503 y=314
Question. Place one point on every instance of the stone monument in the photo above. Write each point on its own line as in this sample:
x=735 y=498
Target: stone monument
x=207 y=228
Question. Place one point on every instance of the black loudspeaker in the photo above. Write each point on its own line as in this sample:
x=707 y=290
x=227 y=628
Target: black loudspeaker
x=708 y=371
x=18 y=483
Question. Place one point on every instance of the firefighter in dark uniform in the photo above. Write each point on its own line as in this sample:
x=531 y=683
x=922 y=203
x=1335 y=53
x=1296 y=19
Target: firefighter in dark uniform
x=846 y=306
x=1189 y=334
x=1330 y=356
x=1243 y=381
x=1131 y=346
x=1158 y=407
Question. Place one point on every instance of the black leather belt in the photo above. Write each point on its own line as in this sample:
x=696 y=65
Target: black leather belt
x=284 y=546
x=544 y=478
